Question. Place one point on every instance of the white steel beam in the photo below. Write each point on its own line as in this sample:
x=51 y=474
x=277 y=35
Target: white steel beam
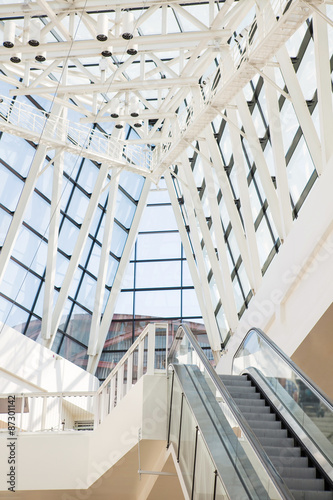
x=192 y=197
x=275 y=130
x=117 y=86
x=103 y=263
x=244 y=196
x=213 y=334
x=212 y=191
x=52 y=246
x=260 y=161
x=75 y=258
x=109 y=310
x=230 y=205
x=196 y=266
x=324 y=84
x=301 y=108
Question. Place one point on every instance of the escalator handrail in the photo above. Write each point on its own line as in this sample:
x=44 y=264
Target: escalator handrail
x=300 y=374
x=243 y=425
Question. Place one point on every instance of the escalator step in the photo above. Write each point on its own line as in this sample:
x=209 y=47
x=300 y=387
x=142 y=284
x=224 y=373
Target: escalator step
x=250 y=402
x=235 y=379
x=283 y=462
x=297 y=472
x=258 y=417
x=271 y=433
x=277 y=442
x=304 y=484
x=312 y=495
x=256 y=406
x=265 y=425
x=247 y=391
x=282 y=451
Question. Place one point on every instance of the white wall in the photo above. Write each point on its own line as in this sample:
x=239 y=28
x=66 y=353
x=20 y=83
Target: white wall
x=26 y=366
x=72 y=460
x=297 y=288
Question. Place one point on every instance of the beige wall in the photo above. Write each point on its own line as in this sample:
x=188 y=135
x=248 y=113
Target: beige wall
x=315 y=354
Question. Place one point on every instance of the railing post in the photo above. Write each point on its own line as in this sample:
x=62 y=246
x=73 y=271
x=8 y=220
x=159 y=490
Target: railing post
x=129 y=372
x=120 y=384
x=96 y=412
x=112 y=393
x=42 y=427
x=151 y=350
x=140 y=358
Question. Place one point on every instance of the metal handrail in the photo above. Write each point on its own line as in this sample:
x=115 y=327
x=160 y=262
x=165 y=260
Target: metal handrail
x=242 y=423
x=300 y=374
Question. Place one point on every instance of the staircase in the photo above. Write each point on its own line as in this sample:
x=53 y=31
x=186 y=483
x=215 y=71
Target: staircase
x=290 y=460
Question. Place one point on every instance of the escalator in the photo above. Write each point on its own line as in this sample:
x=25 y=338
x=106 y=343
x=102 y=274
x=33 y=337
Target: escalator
x=255 y=434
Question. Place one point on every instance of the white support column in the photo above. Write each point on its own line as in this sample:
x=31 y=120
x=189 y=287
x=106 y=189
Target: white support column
x=324 y=85
x=245 y=201
x=275 y=130
x=193 y=202
x=17 y=219
x=75 y=259
x=231 y=207
x=260 y=161
x=199 y=278
x=52 y=246
x=301 y=108
x=108 y=313
x=230 y=303
x=103 y=264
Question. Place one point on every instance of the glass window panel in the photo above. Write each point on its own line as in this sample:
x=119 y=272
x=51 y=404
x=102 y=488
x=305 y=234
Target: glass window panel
x=159 y=303
x=45 y=181
x=12 y=315
x=94 y=259
x=19 y=284
x=190 y=304
x=237 y=294
x=10 y=188
x=157 y=274
x=75 y=283
x=72 y=164
x=112 y=269
x=128 y=278
x=65 y=193
x=125 y=210
x=222 y=323
x=97 y=223
x=132 y=184
x=74 y=352
x=37 y=214
x=254 y=200
x=118 y=240
x=67 y=237
x=157 y=195
x=289 y=124
x=294 y=42
x=264 y=241
x=5 y=220
x=158 y=219
x=158 y=246
x=17 y=153
x=258 y=122
x=187 y=279
x=225 y=145
x=78 y=206
x=88 y=175
x=30 y=250
x=233 y=245
x=299 y=170
x=87 y=292
x=306 y=74
x=124 y=304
